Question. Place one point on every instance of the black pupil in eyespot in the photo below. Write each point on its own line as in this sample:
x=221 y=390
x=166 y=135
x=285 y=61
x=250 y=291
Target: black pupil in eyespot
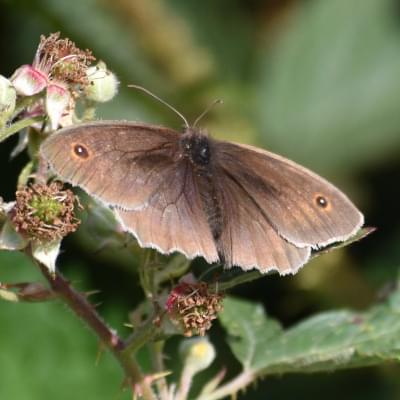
x=81 y=151
x=321 y=201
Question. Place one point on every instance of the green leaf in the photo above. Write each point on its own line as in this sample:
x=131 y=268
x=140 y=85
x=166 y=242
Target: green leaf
x=361 y=234
x=235 y=276
x=250 y=329
x=325 y=342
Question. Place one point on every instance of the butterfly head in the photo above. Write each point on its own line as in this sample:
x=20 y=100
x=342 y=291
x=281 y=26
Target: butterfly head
x=195 y=146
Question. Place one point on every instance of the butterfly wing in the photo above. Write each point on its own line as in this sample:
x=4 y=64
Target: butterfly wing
x=174 y=219
x=303 y=208
x=120 y=163
x=248 y=240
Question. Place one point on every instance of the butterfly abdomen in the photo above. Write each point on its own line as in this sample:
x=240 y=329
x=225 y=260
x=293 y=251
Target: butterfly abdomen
x=212 y=209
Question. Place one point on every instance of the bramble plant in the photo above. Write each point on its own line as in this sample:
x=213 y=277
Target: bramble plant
x=62 y=87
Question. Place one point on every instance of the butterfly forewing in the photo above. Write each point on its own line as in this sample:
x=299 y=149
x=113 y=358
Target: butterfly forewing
x=122 y=164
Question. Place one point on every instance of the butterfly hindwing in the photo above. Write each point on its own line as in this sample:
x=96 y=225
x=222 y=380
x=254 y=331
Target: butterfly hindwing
x=174 y=219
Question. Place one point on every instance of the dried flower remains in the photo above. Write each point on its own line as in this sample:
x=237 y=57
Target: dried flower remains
x=62 y=60
x=192 y=307
x=45 y=213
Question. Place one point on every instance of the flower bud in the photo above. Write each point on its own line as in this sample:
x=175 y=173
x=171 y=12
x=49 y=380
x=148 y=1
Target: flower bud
x=103 y=84
x=57 y=100
x=7 y=99
x=28 y=81
x=198 y=353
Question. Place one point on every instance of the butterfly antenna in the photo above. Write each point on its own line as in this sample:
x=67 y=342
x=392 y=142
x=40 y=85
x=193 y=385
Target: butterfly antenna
x=161 y=101
x=206 y=111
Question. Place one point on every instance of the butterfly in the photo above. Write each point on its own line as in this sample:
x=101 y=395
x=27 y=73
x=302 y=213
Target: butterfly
x=187 y=192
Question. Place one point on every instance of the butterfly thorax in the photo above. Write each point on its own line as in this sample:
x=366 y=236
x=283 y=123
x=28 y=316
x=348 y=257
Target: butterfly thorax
x=195 y=146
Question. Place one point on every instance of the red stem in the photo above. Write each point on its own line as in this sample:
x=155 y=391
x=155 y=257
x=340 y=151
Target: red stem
x=83 y=309
x=87 y=313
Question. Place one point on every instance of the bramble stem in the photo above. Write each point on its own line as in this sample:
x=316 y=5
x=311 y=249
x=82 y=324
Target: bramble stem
x=140 y=337
x=87 y=313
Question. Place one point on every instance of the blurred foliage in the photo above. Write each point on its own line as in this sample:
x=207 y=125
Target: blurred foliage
x=329 y=86
x=328 y=341
x=315 y=80
x=45 y=350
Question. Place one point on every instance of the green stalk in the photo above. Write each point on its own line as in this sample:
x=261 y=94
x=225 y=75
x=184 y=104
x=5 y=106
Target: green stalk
x=17 y=126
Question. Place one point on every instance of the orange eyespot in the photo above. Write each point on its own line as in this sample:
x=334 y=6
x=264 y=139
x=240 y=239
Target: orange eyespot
x=321 y=201
x=80 y=151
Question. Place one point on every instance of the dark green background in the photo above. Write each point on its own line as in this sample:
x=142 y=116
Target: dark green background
x=317 y=81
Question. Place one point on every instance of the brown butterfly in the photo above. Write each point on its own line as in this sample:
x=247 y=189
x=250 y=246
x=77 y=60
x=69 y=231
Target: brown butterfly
x=186 y=192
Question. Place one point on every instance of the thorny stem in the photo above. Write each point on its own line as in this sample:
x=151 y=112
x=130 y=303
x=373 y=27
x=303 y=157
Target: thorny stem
x=85 y=311
x=140 y=337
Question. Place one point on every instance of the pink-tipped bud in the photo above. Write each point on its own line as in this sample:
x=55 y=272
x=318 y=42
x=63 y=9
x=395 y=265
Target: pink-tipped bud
x=7 y=99
x=28 y=81
x=57 y=100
